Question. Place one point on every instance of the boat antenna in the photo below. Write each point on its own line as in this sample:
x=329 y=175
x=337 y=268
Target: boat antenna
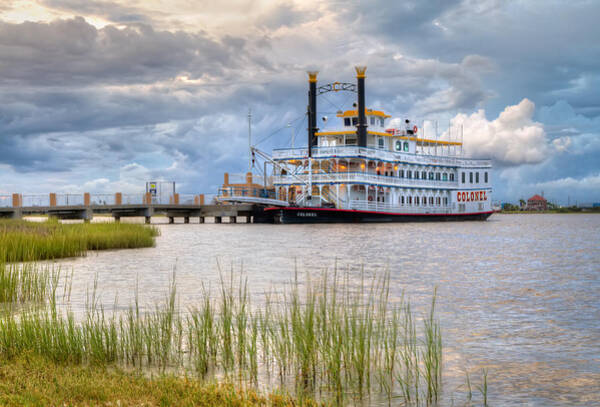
x=249 y=139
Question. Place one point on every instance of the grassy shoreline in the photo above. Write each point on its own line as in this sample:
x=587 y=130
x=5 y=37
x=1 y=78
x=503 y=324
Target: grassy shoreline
x=34 y=380
x=30 y=241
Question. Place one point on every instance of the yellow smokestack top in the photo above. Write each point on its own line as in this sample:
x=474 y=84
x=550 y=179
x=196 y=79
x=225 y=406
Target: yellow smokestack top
x=312 y=76
x=360 y=71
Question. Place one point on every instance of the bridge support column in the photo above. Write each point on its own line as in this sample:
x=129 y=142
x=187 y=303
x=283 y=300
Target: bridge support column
x=148 y=220
x=117 y=218
x=217 y=219
x=171 y=220
x=233 y=219
x=186 y=219
x=201 y=219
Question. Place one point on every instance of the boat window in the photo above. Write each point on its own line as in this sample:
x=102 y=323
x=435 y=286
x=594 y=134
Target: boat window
x=424 y=201
x=486 y=177
x=424 y=175
x=445 y=177
x=381 y=121
x=463 y=177
x=410 y=200
x=372 y=120
x=431 y=200
x=402 y=200
x=451 y=177
x=471 y=177
x=354 y=121
x=406 y=146
x=437 y=176
x=477 y=177
x=381 y=142
x=445 y=201
x=416 y=174
x=347 y=121
x=401 y=174
x=350 y=140
x=431 y=175
x=398 y=145
x=416 y=200
x=438 y=199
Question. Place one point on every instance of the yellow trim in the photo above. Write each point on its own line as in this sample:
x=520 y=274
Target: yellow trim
x=445 y=143
x=312 y=76
x=360 y=71
x=380 y=133
x=368 y=112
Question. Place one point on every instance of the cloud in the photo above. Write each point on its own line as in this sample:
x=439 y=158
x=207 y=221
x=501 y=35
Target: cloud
x=511 y=139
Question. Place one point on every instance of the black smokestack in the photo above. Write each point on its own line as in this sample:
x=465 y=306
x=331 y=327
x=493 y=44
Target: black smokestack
x=312 y=110
x=361 y=130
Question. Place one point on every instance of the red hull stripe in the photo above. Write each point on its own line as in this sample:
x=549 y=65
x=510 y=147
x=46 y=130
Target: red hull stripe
x=274 y=208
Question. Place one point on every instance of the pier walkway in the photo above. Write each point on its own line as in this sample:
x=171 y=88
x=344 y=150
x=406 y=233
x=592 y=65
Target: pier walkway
x=84 y=206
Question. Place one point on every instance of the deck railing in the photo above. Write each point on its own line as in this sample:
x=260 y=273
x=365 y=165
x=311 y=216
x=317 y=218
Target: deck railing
x=385 y=207
x=377 y=154
x=363 y=177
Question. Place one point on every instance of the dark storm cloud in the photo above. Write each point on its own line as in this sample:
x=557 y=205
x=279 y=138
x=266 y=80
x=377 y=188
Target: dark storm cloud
x=74 y=53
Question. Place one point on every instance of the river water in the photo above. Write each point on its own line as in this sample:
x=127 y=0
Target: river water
x=518 y=295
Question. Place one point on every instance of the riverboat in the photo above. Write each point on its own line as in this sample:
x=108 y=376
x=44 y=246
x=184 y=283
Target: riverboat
x=367 y=170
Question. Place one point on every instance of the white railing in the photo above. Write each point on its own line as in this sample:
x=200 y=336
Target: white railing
x=362 y=177
x=383 y=207
x=377 y=154
x=102 y=199
x=35 y=200
x=69 y=199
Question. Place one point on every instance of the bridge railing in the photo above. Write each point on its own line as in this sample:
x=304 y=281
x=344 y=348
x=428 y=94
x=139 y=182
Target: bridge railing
x=133 y=199
x=35 y=200
x=69 y=199
x=66 y=200
x=102 y=199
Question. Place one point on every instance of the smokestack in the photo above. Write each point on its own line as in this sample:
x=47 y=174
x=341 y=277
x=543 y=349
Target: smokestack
x=361 y=130
x=312 y=110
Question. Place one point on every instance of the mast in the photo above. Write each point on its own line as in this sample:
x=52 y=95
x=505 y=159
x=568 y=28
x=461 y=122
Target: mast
x=249 y=139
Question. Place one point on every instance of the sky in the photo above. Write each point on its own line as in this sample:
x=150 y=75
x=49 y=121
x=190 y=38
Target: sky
x=103 y=95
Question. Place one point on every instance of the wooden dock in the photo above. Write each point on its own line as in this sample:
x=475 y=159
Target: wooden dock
x=74 y=206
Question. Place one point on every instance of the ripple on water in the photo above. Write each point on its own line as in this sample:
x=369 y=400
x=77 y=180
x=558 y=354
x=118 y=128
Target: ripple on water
x=517 y=294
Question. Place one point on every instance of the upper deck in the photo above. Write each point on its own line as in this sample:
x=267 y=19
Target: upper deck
x=371 y=153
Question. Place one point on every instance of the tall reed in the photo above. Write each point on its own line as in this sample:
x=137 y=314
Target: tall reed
x=329 y=335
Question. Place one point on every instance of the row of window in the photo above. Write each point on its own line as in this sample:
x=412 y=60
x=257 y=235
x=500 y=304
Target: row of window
x=464 y=176
x=415 y=200
x=432 y=176
x=418 y=201
x=354 y=121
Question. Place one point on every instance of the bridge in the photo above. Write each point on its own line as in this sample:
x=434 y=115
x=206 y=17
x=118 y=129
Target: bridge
x=118 y=205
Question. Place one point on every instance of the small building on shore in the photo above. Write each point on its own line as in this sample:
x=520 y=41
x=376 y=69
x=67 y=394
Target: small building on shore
x=537 y=203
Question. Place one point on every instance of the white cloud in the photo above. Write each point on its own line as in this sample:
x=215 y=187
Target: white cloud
x=511 y=139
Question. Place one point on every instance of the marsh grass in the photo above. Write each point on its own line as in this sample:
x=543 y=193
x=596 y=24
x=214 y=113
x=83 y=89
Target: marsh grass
x=330 y=336
x=29 y=241
x=23 y=283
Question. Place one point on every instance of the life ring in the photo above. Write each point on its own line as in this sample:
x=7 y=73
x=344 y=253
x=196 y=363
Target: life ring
x=370 y=198
x=415 y=128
